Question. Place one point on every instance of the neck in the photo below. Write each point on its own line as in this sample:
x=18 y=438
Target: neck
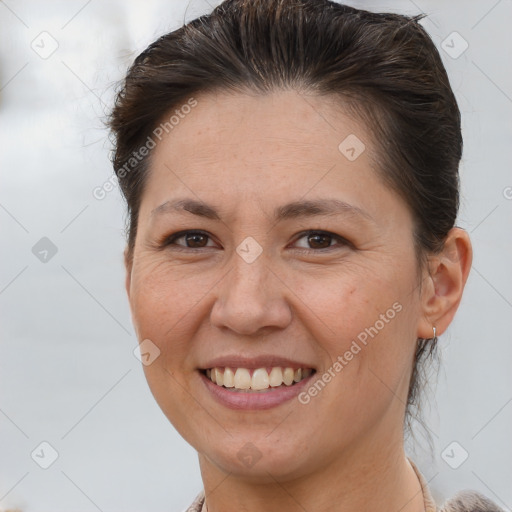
x=358 y=482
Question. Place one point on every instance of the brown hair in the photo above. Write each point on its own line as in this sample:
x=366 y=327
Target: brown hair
x=383 y=67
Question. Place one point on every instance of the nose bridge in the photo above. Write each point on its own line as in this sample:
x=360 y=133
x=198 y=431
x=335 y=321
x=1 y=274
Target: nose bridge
x=249 y=264
x=247 y=279
x=250 y=296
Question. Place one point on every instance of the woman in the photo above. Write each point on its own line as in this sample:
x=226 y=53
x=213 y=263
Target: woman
x=291 y=173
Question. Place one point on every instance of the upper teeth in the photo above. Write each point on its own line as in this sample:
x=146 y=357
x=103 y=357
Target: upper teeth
x=240 y=378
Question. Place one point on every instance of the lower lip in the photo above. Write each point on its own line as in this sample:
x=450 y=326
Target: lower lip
x=254 y=400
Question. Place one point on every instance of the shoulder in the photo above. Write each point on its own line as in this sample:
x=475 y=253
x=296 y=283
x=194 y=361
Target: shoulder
x=470 y=501
x=463 y=501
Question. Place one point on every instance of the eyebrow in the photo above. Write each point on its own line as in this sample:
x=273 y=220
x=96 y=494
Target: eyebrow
x=291 y=210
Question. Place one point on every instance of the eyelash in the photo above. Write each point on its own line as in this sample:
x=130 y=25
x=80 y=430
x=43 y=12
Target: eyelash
x=169 y=241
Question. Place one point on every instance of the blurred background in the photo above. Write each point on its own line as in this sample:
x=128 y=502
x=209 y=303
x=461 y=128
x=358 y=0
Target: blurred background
x=79 y=428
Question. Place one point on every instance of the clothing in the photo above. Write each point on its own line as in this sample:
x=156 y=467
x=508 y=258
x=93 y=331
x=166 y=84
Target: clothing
x=464 y=501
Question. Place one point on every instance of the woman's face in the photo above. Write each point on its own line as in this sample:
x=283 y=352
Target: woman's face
x=257 y=285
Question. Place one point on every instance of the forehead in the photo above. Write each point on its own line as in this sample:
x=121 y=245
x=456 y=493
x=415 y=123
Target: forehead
x=265 y=148
x=279 y=121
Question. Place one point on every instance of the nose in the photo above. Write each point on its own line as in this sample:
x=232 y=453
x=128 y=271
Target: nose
x=251 y=299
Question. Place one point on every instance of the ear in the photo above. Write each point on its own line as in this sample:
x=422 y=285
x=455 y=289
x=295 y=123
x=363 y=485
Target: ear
x=128 y=263
x=442 y=288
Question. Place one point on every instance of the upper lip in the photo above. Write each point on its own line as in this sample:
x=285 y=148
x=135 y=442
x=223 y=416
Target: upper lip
x=261 y=361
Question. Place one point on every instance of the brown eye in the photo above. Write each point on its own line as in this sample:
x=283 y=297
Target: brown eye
x=192 y=240
x=195 y=239
x=320 y=240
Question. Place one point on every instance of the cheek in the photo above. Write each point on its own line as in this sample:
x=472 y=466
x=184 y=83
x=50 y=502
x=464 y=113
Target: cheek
x=163 y=300
x=364 y=325
x=162 y=305
x=345 y=305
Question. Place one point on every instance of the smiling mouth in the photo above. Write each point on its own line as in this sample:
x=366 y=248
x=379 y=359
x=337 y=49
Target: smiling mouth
x=256 y=380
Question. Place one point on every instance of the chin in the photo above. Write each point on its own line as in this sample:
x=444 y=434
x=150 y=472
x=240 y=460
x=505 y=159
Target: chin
x=260 y=461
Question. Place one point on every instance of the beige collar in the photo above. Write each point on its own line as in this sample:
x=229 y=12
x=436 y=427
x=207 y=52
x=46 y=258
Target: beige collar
x=430 y=504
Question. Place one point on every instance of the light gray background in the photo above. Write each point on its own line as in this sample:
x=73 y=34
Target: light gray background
x=68 y=375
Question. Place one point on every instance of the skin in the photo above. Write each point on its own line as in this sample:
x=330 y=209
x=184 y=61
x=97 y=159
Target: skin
x=246 y=155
